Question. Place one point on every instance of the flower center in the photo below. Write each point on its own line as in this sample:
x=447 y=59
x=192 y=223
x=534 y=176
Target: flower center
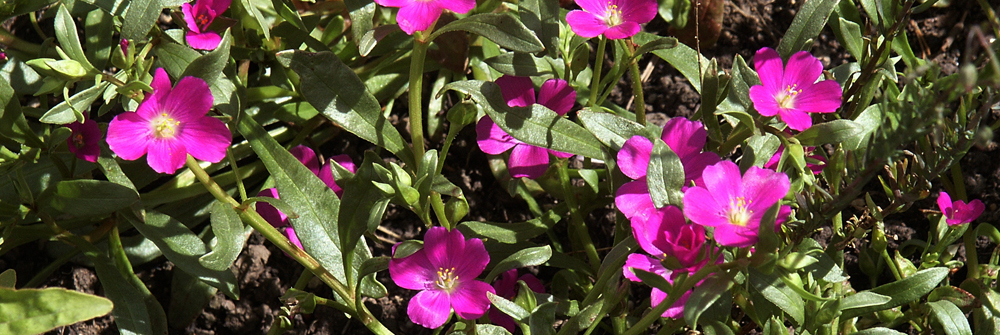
x=786 y=97
x=739 y=215
x=447 y=279
x=78 y=141
x=203 y=20
x=614 y=15
x=165 y=126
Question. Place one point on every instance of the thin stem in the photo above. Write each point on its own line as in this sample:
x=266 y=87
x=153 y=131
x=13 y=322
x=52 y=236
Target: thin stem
x=595 y=79
x=416 y=103
x=633 y=70
x=578 y=224
x=15 y=43
x=971 y=257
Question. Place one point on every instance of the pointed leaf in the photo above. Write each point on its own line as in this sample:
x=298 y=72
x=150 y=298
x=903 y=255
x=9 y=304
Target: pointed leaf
x=504 y=30
x=808 y=22
x=31 y=311
x=228 y=229
x=665 y=176
x=523 y=258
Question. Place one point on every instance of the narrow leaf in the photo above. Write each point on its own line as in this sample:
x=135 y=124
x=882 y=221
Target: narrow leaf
x=228 y=229
x=520 y=259
x=808 y=22
x=504 y=30
x=665 y=176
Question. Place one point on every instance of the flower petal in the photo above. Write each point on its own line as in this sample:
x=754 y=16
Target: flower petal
x=685 y=137
x=633 y=158
x=701 y=207
x=418 y=15
x=188 y=10
x=307 y=157
x=694 y=167
x=585 y=24
x=723 y=180
x=764 y=101
x=457 y=6
x=469 y=262
x=189 y=100
x=217 y=6
x=208 y=40
x=517 y=91
x=161 y=88
x=795 y=119
x=802 y=70
x=944 y=202
x=129 y=135
x=638 y=11
x=271 y=214
x=503 y=320
x=429 y=308
x=414 y=272
x=533 y=283
x=633 y=197
x=166 y=155
x=735 y=236
x=441 y=245
x=822 y=97
x=763 y=188
x=491 y=138
x=770 y=69
x=624 y=30
x=206 y=139
x=528 y=161
x=293 y=237
x=645 y=263
x=469 y=299
x=596 y=7
x=557 y=95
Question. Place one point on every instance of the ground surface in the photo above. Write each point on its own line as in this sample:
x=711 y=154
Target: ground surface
x=265 y=273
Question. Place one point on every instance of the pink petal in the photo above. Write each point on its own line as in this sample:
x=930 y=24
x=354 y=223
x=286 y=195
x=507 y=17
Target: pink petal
x=944 y=201
x=271 y=214
x=161 y=88
x=414 y=272
x=822 y=97
x=293 y=237
x=633 y=158
x=491 y=138
x=770 y=69
x=457 y=6
x=652 y=225
x=517 y=91
x=504 y=286
x=217 y=6
x=723 y=180
x=469 y=262
x=633 y=197
x=560 y=154
x=88 y=136
x=417 y=15
x=429 y=308
x=326 y=175
x=307 y=157
x=638 y=11
x=701 y=207
x=345 y=161
x=802 y=70
x=735 y=236
x=795 y=119
x=684 y=137
x=596 y=7
x=528 y=161
x=764 y=188
x=645 y=263
x=585 y=24
x=676 y=311
x=469 y=299
x=441 y=245
x=764 y=101
x=208 y=40
x=128 y=135
x=206 y=139
x=189 y=16
x=166 y=155
x=624 y=30
x=533 y=283
x=557 y=95
x=695 y=165
x=775 y=159
x=189 y=100
x=503 y=320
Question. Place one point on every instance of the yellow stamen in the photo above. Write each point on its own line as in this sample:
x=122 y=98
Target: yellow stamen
x=786 y=97
x=614 y=17
x=739 y=215
x=447 y=279
x=165 y=126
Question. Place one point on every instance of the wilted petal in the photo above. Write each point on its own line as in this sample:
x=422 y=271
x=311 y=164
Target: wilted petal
x=429 y=308
x=469 y=299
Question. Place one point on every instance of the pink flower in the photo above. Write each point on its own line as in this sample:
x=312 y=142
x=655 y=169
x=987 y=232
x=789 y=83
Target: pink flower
x=815 y=168
x=735 y=204
x=198 y=17
x=958 y=212
x=525 y=160
x=663 y=232
x=308 y=158
x=445 y=272
x=170 y=124
x=792 y=92
x=506 y=287
x=85 y=140
x=616 y=19
x=686 y=138
x=417 y=15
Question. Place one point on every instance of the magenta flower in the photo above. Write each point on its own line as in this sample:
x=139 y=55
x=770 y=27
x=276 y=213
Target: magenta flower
x=415 y=15
x=198 y=17
x=308 y=158
x=445 y=272
x=792 y=92
x=85 y=140
x=616 y=19
x=170 y=124
x=958 y=212
x=735 y=204
x=772 y=163
x=686 y=138
x=506 y=287
x=525 y=160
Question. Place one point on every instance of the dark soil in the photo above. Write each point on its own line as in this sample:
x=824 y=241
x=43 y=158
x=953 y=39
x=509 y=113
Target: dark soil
x=265 y=274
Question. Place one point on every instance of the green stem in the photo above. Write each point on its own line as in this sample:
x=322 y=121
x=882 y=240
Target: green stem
x=640 y=100
x=892 y=265
x=258 y=223
x=15 y=43
x=416 y=103
x=595 y=79
x=578 y=224
x=971 y=257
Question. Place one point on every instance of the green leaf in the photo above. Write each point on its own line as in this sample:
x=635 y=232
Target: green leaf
x=188 y=297
x=89 y=197
x=98 y=28
x=536 y=125
x=228 y=229
x=521 y=64
x=8 y=278
x=583 y=319
x=687 y=61
x=133 y=314
x=362 y=13
x=665 y=176
x=504 y=30
x=661 y=43
x=951 y=318
x=542 y=18
x=362 y=205
x=808 y=22
x=174 y=58
x=12 y=8
x=901 y=292
x=833 y=132
x=508 y=307
x=510 y=233
x=64 y=113
x=849 y=33
x=543 y=318
x=957 y=296
x=706 y=294
x=878 y=331
x=255 y=13
x=183 y=248
x=775 y=291
x=523 y=258
x=209 y=67
x=333 y=88
x=140 y=17
x=65 y=29
x=610 y=129
x=31 y=311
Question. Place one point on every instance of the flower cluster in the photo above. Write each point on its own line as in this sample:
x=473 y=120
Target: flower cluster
x=958 y=212
x=198 y=17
